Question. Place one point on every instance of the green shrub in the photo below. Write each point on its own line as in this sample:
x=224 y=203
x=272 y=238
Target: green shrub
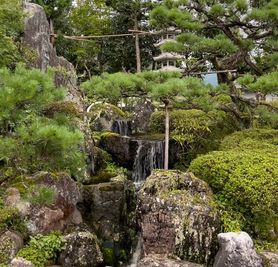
x=245 y=182
x=259 y=135
x=42 y=248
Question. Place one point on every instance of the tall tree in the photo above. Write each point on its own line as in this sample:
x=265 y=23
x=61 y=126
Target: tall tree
x=234 y=34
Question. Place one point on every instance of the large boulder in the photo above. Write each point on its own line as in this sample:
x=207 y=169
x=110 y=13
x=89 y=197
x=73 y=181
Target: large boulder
x=81 y=250
x=160 y=261
x=109 y=209
x=43 y=217
x=177 y=216
x=236 y=250
x=10 y=244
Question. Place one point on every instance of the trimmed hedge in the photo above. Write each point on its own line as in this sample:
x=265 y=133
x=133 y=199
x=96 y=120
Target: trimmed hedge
x=245 y=183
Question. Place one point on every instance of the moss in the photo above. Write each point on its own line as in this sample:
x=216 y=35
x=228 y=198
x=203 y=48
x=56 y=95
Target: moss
x=108 y=135
x=150 y=136
x=106 y=107
x=5 y=248
x=113 y=186
x=109 y=256
x=66 y=107
x=101 y=177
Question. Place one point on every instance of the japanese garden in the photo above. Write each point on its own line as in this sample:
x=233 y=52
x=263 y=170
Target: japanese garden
x=138 y=133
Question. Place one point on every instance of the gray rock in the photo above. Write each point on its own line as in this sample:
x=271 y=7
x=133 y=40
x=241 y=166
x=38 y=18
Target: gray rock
x=21 y=262
x=270 y=259
x=236 y=250
x=177 y=216
x=10 y=244
x=81 y=250
x=160 y=261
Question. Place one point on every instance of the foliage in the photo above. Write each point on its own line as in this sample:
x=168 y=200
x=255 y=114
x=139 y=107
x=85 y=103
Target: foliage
x=222 y=33
x=244 y=181
x=41 y=195
x=258 y=136
x=10 y=219
x=195 y=130
x=42 y=248
x=267 y=117
x=11 y=25
x=29 y=140
x=158 y=85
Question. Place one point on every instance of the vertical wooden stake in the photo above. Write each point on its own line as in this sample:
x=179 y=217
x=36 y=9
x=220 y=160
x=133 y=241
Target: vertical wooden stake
x=166 y=152
x=137 y=45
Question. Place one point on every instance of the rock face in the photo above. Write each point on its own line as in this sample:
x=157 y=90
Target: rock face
x=236 y=250
x=10 y=244
x=160 y=261
x=81 y=250
x=270 y=259
x=109 y=210
x=43 y=218
x=176 y=216
x=37 y=36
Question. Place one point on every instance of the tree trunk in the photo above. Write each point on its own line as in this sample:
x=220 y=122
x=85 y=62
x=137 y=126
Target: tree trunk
x=137 y=45
x=166 y=152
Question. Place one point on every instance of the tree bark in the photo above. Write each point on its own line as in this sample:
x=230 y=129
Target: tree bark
x=166 y=152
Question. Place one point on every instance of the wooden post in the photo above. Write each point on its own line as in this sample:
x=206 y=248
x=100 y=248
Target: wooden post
x=167 y=134
x=137 y=45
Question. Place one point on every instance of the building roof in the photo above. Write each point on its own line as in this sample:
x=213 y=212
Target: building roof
x=167 y=56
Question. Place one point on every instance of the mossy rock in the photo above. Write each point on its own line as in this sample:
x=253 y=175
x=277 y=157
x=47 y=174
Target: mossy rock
x=66 y=107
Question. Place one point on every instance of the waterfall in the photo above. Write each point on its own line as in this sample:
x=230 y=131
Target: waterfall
x=149 y=156
x=122 y=127
x=137 y=253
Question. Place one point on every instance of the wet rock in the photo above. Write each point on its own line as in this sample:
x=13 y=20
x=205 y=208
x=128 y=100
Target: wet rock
x=236 y=250
x=109 y=209
x=270 y=259
x=81 y=250
x=10 y=244
x=122 y=149
x=177 y=216
x=160 y=261
x=20 y=262
x=43 y=217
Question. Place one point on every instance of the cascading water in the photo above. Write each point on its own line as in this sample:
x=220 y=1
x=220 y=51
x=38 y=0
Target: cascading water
x=137 y=253
x=122 y=127
x=149 y=156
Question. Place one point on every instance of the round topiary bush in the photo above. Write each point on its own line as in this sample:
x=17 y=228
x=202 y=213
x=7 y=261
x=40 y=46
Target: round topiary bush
x=245 y=183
